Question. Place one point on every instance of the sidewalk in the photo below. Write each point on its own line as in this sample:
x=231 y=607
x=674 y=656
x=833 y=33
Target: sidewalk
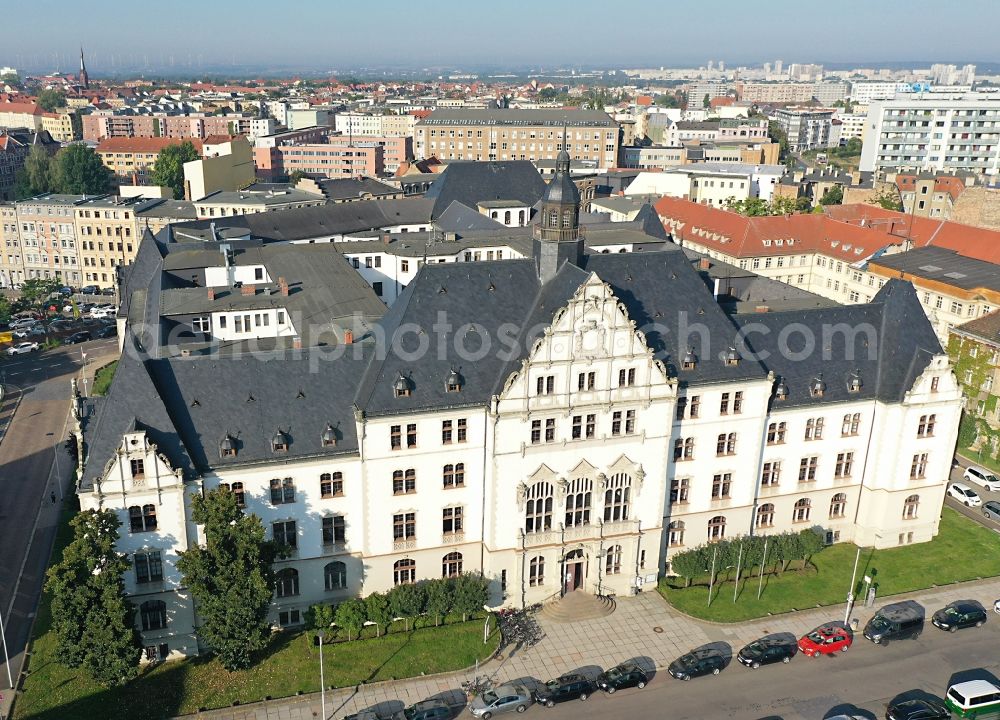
x=642 y=627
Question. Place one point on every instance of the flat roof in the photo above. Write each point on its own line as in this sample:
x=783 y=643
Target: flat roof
x=552 y=118
x=944 y=266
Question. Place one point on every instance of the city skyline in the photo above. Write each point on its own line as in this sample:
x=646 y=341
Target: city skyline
x=194 y=37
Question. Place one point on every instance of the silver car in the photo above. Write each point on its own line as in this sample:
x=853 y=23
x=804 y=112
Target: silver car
x=505 y=698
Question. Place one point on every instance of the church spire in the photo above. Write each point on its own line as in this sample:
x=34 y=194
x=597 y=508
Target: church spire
x=84 y=78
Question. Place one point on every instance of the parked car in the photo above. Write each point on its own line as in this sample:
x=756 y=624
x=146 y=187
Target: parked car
x=982 y=477
x=89 y=290
x=626 y=675
x=21 y=322
x=996 y=607
x=503 y=699
x=991 y=509
x=26 y=331
x=825 y=640
x=99 y=313
x=767 y=650
x=424 y=710
x=565 y=687
x=959 y=614
x=703 y=661
x=899 y=621
x=66 y=291
x=23 y=348
x=975 y=698
x=917 y=709
x=106 y=332
x=77 y=337
x=108 y=291
x=964 y=494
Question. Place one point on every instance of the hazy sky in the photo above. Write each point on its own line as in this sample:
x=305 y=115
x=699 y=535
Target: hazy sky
x=330 y=34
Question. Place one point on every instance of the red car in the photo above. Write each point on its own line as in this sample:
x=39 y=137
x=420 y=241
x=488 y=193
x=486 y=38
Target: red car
x=825 y=640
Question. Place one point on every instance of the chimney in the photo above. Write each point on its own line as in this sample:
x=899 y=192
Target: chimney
x=283 y=284
x=211 y=293
x=704 y=264
x=386 y=238
x=249 y=290
x=296 y=343
x=348 y=337
x=762 y=309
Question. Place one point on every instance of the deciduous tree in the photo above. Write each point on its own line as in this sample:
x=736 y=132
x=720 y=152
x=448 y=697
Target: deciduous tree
x=78 y=170
x=406 y=601
x=50 y=100
x=351 y=616
x=34 y=177
x=471 y=594
x=92 y=619
x=440 y=598
x=230 y=578
x=378 y=611
x=168 y=170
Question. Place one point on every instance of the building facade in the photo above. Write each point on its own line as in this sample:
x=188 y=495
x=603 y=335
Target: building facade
x=131 y=159
x=974 y=348
x=462 y=134
x=48 y=238
x=806 y=128
x=107 y=233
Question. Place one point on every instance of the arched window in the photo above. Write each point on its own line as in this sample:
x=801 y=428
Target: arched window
x=536 y=571
x=676 y=533
x=454 y=475
x=451 y=565
x=578 y=496
x=617 y=496
x=506 y=217
x=153 y=615
x=142 y=519
x=335 y=576
x=287 y=582
x=331 y=485
x=765 y=515
x=404 y=572
x=613 y=563
x=910 y=506
x=800 y=512
x=538 y=516
x=838 y=505
x=717 y=528
x=520 y=218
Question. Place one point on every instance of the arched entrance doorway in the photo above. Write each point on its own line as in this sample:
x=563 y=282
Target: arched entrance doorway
x=574 y=570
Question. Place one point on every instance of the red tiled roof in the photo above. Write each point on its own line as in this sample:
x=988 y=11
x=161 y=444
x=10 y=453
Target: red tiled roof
x=739 y=236
x=143 y=145
x=26 y=108
x=217 y=139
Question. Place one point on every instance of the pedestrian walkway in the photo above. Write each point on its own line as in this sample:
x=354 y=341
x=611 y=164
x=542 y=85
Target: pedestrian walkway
x=645 y=628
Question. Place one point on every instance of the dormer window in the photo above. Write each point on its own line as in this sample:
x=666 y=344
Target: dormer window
x=781 y=390
x=279 y=443
x=732 y=358
x=854 y=382
x=454 y=382
x=818 y=386
x=227 y=448
x=401 y=387
x=329 y=436
x=690 y=360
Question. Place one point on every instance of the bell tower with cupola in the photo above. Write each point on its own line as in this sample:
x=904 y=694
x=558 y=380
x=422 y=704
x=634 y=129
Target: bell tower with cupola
x=557 y=231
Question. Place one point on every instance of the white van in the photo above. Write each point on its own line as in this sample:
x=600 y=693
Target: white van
x=983 y=477
x=973 y=699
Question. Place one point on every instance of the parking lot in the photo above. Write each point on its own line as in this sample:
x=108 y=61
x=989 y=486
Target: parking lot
x=975 y=513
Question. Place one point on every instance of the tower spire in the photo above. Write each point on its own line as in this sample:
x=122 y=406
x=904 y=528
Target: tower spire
x=84 y=78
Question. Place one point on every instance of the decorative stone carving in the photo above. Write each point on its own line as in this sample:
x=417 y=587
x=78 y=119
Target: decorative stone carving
x=522 y=495
x=602 y=481
x=640 y=475
x=561 y=485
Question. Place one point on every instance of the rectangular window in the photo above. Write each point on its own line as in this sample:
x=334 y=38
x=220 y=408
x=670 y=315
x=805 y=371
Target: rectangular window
x=591 y=426
x=626 y=378
x=807 y=468
x=446 y=432
x=845 y=463
x=395 y=437
x=454 y=475
x=918 y=468
x=694 y=406
x=545 y=385
x=404 y=482
x=814 y=429
x=629 y=422
x=679 y=490
x=138 y=468
x=616 y=422
x=451 y=520
x=721 y=485
x=331 y=485
x=536 y=432
x=586 y=381
x=738 y=402
x=201 y=324
x=411 y=435
x=724 y=404
x=681 y=407
x=404 y=526
x=771 y=473
x=148 y=567
x=282 y=491
x=550 y=430
x=577 y=429
x=776 y=433
x=284 y=533
x=462 y=432
x=334 y=530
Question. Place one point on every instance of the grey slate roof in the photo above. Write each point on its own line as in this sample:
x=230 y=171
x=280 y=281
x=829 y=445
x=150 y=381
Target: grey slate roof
x=471 y=182
x=458 y=217
x=944 y=266
x=354 y=188
x=894 y=321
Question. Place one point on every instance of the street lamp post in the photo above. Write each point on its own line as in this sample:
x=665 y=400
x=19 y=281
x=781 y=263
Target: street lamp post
x=850 y=591
x=84 y=356
x=6 y=657
x=322 y=679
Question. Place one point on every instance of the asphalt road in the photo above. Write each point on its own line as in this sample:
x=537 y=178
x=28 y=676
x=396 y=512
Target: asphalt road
x=27 y=453
x=860 y=682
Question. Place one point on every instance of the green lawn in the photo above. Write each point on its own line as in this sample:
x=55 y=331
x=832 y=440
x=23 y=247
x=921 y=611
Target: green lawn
x=102 y=378
x=963 y=550
x=290 y=665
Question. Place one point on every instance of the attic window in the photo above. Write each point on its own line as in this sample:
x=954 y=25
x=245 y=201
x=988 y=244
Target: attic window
x=781 y=391
x=818 y=386
x=767 y=243
x=847 y=247
x=279 y=443
x=854 y=382
x=454 y=382
x=227 y=448
x=690 y=360
x=731 y=357
x=779 y=243
x=329 y=436
x=791 y=241
x=401 y=388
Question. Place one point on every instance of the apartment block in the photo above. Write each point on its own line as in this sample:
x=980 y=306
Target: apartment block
x=108 y=235
x=320 y=160
x=11 y=262
x=930 y=133
x=464 y=134
x=395 y=150
x=131 y=159
x=101 y=125
x=48 y=237
x=806 y=128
